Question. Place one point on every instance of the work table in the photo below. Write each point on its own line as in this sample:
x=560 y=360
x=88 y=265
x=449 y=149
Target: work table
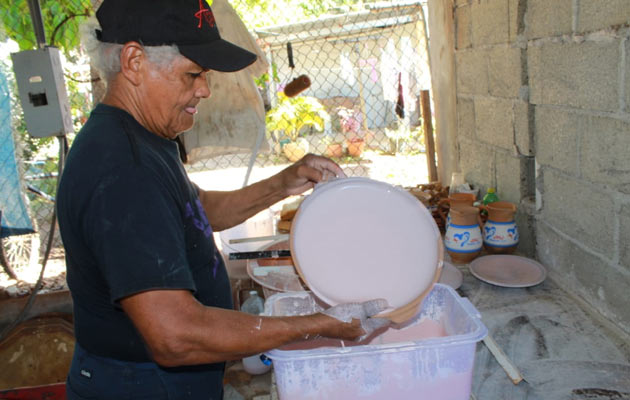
x=561 y=350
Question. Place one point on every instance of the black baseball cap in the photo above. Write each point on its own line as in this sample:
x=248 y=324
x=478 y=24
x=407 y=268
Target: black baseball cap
x=189 y=24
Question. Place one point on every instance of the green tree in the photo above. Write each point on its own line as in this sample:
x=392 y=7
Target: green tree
x=260 y=13
x=61 y=20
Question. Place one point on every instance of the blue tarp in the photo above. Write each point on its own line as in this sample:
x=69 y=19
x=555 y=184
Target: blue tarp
x=13 y=206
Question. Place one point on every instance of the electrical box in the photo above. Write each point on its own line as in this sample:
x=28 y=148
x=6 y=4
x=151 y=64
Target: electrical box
x=42 y=92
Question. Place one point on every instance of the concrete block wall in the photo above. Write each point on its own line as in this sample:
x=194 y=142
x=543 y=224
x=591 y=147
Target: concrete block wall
x=543 y=115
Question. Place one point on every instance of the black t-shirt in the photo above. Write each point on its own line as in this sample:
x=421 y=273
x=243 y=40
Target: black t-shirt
x=131 y=221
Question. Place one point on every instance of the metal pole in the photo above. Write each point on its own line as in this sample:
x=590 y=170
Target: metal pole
x=38 y=23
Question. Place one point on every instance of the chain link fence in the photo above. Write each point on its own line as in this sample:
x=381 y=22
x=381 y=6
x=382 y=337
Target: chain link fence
x=362 y=67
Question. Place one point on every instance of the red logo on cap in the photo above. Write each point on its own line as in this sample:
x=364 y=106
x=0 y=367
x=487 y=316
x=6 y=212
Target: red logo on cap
x=204 y=13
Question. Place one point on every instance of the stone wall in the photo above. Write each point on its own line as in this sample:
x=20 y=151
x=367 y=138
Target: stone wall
x=543 y=115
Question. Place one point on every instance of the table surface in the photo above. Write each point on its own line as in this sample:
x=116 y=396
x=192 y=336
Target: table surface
x=562 y=350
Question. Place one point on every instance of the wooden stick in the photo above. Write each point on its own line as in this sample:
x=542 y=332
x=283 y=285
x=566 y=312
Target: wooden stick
x=259 y=238
x=503 y=360
x=425 y=100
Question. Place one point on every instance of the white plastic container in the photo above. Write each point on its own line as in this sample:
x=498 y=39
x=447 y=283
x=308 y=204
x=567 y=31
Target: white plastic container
x=430 y=357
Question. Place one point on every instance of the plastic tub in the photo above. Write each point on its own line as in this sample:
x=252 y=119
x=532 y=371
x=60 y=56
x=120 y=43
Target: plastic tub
x=429 y=357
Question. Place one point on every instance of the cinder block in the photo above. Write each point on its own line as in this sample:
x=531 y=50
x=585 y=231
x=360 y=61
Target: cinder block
x=526 y=231
x=604 y=154
x=476 y=161
x=546 y=18
x=504 y=71
x=465 y=117
x=463 y=27
x=627 y=50
x=490 y=22
x=557 y=137
x=574 y=208
x=601 y=14
x=600 y=284
x=513 y=15
x=583 y=75
x=523 y=116
x=493 y=121
x=624 y=237
x=472 y=71
x=509 y=177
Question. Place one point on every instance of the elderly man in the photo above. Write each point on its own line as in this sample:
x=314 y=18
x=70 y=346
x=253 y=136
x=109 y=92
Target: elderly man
x=152 y=301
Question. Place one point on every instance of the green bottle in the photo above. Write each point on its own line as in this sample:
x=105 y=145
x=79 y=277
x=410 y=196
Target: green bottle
x=490 y=197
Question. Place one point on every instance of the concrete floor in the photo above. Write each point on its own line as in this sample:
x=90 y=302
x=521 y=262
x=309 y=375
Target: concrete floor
x=563 y=351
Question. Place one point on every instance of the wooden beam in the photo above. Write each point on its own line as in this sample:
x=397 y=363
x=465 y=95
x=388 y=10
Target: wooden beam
x=429 y=143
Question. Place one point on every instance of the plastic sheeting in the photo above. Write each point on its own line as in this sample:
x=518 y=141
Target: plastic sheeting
x=15 y=219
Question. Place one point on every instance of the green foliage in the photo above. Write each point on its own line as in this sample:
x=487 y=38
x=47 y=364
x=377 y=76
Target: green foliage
x=260 y=13
x=263 y=80
x=402 y=135
x=61 y=25
x=292 y=114
x=61 y=20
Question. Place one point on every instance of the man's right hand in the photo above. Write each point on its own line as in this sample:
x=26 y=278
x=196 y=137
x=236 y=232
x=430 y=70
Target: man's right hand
x=358 y=319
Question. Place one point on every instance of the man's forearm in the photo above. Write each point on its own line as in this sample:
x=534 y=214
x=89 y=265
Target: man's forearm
x=226 y=209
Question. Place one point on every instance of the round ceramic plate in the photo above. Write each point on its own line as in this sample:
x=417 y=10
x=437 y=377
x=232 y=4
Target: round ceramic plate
x=508 y=271
x=451 y=276
x=356 y=239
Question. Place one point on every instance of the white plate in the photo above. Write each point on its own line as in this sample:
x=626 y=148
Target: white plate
x=356 y=239
x=508 y=271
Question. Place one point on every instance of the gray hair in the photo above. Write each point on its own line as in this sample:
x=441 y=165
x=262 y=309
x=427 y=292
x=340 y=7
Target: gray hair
x=105 y=57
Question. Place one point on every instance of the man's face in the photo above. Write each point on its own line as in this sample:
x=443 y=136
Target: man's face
x=171 y=95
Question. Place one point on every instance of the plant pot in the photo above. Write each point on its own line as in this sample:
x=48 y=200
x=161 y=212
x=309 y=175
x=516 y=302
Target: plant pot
x=295 y=150
x=355 y=147
x=334 y=150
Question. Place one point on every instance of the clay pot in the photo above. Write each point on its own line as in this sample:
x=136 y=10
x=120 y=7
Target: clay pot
x=500 y=233
x=355 y=147
x=463 y=239
x=295 y=150
x=334 y=150
x=454 y=200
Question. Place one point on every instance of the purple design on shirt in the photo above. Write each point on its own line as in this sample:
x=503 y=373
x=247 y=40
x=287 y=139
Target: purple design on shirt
x=199 y=219
x=216 y=266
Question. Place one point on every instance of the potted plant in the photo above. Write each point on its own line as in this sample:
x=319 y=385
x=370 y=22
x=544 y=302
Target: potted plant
x=350 y=123
x=288 y=120
x=355 y=145
x=334 y=149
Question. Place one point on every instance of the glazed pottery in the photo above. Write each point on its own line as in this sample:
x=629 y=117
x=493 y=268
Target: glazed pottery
x=463 y=239
x=500 y=233
x=454 y=200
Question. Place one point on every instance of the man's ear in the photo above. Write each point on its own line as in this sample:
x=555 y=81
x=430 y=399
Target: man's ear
x=132 y=58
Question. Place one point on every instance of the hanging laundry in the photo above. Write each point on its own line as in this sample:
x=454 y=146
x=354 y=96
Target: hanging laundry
x=371 y=63
x=389 y=72
x=347 y=69
x=408 y=62
x=400 y=102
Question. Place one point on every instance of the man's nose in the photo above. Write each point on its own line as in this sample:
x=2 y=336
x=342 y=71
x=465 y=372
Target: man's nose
x=203 y=91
